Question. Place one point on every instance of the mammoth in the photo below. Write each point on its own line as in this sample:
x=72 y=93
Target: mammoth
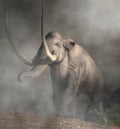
x=72 y=70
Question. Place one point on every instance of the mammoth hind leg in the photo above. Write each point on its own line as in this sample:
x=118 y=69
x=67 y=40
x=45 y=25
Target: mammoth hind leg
x=35 y=71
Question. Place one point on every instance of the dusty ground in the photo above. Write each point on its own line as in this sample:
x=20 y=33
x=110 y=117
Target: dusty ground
x=13 y=120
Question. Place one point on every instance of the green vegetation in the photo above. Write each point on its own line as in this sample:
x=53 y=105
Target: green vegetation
x=106 y=116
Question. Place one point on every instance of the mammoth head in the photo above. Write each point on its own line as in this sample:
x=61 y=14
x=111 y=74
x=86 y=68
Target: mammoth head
x=58 y=46
x=53 y=43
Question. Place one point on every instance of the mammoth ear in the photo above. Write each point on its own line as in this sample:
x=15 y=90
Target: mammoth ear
x=69 y=44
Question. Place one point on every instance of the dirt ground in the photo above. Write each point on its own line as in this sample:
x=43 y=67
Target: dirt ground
x=13 y=120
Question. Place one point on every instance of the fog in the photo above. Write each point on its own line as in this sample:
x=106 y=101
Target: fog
x=94 y=24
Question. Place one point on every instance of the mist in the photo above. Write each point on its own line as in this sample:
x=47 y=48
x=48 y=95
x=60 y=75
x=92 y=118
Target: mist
x=94 y=24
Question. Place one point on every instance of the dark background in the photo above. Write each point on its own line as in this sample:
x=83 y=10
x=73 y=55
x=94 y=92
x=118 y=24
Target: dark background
x=94 y=24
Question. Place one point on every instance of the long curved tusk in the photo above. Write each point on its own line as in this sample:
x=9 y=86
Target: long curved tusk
x=22 y=58
x=52 y=57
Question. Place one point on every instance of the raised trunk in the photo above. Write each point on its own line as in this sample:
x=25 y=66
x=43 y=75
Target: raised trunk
x=51 y=57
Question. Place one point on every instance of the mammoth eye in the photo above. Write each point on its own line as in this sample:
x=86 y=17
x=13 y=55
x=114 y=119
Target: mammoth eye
x=58 y=45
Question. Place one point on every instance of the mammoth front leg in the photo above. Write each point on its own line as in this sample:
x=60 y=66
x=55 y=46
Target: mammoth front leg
x=35 y=71
x=68 y=106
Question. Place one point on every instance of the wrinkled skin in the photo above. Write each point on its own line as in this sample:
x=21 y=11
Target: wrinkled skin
x=73 y=72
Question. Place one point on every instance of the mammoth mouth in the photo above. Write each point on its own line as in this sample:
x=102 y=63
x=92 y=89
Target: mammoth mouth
x=59 y=57
x=55 y=54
